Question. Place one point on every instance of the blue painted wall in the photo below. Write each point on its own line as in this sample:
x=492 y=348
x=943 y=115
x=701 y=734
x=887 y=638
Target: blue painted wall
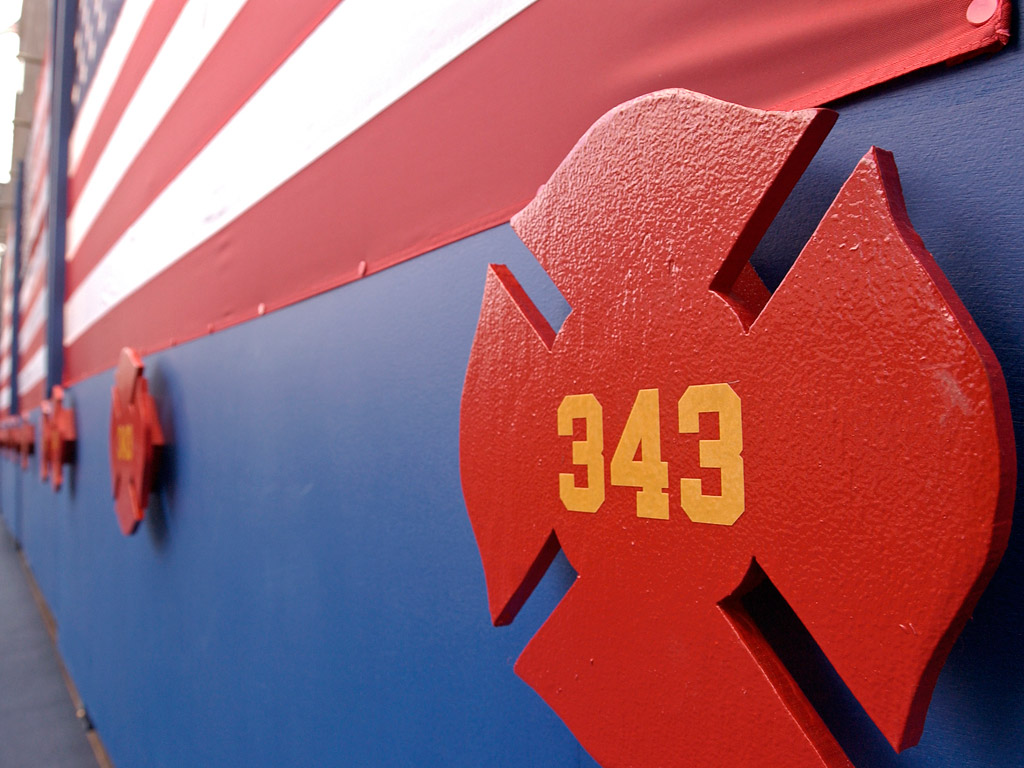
x=306 y=589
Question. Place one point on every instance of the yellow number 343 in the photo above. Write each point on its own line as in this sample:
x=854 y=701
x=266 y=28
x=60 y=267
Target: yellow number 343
x=642 y=435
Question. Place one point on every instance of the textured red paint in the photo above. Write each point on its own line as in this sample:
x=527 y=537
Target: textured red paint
x=58 y=438
x=878 y=455
x=135 y=434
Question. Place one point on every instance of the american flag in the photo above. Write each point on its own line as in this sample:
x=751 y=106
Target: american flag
x=230 y=157
x=32 y=300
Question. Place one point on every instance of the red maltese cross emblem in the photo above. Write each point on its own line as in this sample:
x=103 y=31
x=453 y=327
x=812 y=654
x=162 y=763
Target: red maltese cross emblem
x=135 y=436
x=685 y=434
x=58 y=438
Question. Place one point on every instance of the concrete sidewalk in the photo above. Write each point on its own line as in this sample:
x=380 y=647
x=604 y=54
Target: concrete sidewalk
x=38 y=727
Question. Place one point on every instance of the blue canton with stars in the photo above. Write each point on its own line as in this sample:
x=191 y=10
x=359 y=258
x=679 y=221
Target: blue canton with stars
x=95 y=21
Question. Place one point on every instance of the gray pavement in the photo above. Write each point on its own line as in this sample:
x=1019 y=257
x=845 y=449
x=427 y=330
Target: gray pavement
x=38 y=727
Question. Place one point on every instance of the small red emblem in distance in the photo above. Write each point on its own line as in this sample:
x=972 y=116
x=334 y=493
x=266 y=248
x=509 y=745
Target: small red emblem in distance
x=7 y=443
x=25 y=440
x=58 y=438
x=17 y=438
x=685 y=433
x=135 y=437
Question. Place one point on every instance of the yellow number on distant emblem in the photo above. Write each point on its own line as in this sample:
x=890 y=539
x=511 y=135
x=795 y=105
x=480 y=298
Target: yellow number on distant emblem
x=125 y=442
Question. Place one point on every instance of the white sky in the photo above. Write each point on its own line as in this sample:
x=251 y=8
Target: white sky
x=12 y=80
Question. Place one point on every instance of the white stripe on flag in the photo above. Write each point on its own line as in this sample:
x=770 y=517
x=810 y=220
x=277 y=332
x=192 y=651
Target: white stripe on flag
x=375 y=51
x=33 y=322
x=33 y=371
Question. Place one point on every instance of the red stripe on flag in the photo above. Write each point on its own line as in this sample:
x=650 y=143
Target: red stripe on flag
x=32 y=397
x=232 y=72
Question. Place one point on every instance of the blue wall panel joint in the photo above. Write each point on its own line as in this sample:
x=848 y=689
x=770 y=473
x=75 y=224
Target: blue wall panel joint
x=62 y=42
